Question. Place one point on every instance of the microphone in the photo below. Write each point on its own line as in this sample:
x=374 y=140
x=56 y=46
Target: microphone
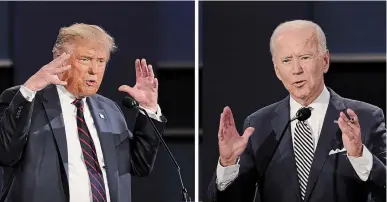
x=130 y=103
x=302 y=115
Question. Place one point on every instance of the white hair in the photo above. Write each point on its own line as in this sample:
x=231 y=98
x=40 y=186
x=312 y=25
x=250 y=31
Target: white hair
x=300 y=24
x=67 y=36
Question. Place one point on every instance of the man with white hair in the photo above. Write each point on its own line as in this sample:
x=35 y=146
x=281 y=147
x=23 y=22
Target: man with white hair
x=61 y=141
x=336 y=154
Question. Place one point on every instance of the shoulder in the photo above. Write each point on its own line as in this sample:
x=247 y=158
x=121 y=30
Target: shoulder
x=361 y=106
x=264 y=112
x=107 y=103
x=366 y=112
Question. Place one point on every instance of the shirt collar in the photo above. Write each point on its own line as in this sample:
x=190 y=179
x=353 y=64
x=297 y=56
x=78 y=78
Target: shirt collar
x=319 y=104
x=65 y=95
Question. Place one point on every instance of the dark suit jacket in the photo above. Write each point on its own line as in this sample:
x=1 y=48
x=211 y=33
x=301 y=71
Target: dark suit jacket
x=332 y=177
x=33 y=150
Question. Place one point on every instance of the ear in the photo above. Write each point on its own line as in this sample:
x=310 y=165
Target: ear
x=326 y=58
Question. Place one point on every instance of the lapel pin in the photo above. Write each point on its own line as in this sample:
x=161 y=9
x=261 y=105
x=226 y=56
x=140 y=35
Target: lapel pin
x=102 y=116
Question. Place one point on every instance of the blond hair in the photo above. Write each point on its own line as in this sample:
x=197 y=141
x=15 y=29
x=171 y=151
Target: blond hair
x=300 y=24
x=67 y=36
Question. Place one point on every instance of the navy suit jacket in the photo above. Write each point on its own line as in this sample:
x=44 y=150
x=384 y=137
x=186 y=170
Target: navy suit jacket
x=33 y=150
x=332 y=177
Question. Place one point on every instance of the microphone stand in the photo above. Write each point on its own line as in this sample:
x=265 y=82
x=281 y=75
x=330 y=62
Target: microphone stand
x=184 y=193
x=271 y=156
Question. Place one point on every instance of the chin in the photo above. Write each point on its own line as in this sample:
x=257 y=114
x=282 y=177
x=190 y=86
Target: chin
x=301 y=93
x=89 y=91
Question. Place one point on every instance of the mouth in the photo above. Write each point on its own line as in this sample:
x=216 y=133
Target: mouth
x=300 y=83
x=91 y=82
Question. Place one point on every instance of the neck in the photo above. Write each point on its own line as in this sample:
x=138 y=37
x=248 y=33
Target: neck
x=72 y=93
x=309 y=99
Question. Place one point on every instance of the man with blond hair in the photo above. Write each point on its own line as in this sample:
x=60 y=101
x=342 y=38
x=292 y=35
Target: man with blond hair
x=337 y=154
x=60 y=141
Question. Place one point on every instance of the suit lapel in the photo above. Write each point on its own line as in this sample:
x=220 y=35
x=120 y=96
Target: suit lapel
x=51 y=104
x=281 y=117
x=326 y=140
x=107 y=143
x=53 y=109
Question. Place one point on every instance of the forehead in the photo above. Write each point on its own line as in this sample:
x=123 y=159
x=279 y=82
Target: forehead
x=295 y=41
x=90 y=48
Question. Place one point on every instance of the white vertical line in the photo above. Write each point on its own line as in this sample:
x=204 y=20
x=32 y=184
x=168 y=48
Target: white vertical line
x=196 y=100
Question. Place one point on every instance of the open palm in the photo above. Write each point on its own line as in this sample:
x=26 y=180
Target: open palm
x=231 y=144
x=145 y=91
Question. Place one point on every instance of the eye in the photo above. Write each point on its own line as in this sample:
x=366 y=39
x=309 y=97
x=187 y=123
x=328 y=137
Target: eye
x=306 y=57
x=101 y=61
x=85 y=59
x=286 y=60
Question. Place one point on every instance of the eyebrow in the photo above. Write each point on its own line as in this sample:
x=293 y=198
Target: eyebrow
x=303 y=54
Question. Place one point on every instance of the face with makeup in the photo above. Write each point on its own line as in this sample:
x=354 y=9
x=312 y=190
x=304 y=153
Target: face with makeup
x=88 y=62
x=300 y=64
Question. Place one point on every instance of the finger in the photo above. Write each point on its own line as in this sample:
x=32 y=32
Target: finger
x=138 y=68
x=248 y=132
x=352 y=127
x=353 y=115
x=61 y=69
x=57 y=81
x=345 y=129
x=150 y=72
x=127 y=89
x=144 y=68
x=156 y=83
x=220 y=131
x=227 y=115
x=230 y=118
x=57 y=62
x=344 y=117
x=344 y=125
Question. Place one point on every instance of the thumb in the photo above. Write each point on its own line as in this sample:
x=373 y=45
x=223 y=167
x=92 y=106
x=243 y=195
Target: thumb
x=248 y=132
x=127 y=89
x=63 y=83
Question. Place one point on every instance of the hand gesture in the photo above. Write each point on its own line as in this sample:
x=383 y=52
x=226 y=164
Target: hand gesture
x=48 y=74
x=231 y=144
x=145 y=91
x=350 y=129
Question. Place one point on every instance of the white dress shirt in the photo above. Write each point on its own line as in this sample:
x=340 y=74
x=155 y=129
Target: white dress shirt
x=79 y=183
x=362 y=165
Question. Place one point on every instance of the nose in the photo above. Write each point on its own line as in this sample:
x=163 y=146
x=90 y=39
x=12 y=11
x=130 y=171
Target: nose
x=93 y=68
x=297 y=68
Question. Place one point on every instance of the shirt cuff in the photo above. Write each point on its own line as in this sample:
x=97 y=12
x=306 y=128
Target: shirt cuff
x=363 y=164
x=153 y=115
x=27 y=93
x=226 y=175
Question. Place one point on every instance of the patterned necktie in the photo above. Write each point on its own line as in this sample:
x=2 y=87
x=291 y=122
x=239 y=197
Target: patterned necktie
x=90 y=156
x=303 y=152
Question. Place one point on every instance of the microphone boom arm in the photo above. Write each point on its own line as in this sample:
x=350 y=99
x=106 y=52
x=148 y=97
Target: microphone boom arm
x=184 y=191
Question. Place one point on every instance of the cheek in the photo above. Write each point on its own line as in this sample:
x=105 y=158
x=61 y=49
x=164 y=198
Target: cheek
x=285 y=72
x=101 y=72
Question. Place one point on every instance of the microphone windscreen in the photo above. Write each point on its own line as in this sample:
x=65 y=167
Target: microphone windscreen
x=129 y=102
x=303 y=113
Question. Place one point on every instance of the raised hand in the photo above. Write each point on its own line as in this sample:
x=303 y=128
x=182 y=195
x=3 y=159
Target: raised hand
x=48 y=74
x=351 y=133
x=231 y=144
x=145 y=92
